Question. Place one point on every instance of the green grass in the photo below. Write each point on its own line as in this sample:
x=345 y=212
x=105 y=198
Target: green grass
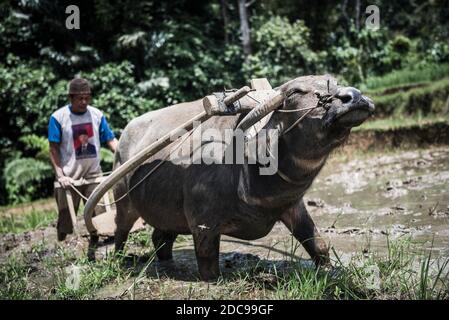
x=404 y=272
x=66 y=277
x=399 y=122
x=18 y=223
x=430 y=99
x=421 y=90
x=82 y=279
x=14 y=280
x=412 y=75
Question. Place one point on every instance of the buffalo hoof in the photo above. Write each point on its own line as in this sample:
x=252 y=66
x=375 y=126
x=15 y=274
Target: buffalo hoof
x=322 y=261
x=209 y=269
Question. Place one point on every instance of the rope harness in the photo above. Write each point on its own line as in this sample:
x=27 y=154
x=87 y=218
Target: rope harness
x=325 y=102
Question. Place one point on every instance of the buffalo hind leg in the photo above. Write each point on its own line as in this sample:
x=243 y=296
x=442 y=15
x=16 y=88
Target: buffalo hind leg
x=207 y=248
x=163 y=244
x=301 y=225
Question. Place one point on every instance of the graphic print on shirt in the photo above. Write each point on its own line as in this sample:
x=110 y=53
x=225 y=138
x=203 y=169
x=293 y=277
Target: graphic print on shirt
x=81 y=135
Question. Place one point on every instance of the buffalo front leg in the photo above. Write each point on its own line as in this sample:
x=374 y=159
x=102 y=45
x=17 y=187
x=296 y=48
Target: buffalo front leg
x=207 y=248
x=125 y=219
x=301 y=225
x=163 y=244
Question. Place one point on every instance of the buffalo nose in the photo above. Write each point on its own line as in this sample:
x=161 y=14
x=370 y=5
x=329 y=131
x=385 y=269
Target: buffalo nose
x=349 y=95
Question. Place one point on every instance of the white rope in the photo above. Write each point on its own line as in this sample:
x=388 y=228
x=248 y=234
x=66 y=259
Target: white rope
x=294 y=110
x=298 y=121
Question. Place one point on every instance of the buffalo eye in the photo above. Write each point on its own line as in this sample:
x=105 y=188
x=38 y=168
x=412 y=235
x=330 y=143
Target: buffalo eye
x=297 y=90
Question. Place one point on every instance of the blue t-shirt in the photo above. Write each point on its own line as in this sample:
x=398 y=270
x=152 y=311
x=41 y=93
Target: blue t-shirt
x=55 y=132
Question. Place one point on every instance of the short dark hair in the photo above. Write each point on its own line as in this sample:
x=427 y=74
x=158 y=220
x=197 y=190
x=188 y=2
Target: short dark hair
x=82 y=132
x=79 y=86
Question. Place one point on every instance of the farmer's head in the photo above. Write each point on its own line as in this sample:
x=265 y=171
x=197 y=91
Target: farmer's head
x=79 y=94
x=83 y=137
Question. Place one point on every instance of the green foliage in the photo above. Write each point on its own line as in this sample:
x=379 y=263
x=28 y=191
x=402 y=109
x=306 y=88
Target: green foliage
x=365 y=53
x=22 y=87
x=38 y=145
x=439 y=52
x=282 y=51
x=117 y=94
x=29 y=178
x=184 y=65
x=397 y=52
x=25 y=179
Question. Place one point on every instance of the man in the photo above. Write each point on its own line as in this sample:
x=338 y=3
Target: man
x=75 y=134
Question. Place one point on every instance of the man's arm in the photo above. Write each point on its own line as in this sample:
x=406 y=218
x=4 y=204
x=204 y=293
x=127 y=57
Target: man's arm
x=112 y=144
x=107 y=136
x=56 y=163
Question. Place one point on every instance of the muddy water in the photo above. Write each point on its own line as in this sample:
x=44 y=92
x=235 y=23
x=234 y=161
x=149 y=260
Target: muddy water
x=359 y=203
x=402 y=194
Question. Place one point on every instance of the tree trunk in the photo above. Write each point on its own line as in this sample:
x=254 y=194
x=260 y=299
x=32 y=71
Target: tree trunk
x=244 y=25
x=357 y=15
x=345 y=15
x=224 y=13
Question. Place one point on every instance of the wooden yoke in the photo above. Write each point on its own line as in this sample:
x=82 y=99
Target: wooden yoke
x=241 y=101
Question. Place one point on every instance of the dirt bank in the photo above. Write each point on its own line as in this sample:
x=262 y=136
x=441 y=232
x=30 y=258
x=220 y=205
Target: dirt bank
x=417 y=136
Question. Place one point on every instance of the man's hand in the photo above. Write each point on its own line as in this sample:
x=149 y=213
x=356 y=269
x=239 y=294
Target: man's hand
x=112 y=144
x=65 y=182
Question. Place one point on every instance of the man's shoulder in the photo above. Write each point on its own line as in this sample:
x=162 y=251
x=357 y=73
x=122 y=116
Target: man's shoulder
x=58 y=114
x=95 y=111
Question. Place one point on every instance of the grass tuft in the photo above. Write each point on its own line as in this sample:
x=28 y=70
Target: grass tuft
x=18 y=223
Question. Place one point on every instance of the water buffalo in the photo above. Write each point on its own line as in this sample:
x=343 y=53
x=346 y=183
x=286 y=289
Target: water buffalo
x=208 y=200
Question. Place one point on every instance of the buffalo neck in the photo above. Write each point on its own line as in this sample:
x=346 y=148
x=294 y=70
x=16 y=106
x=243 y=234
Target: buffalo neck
x=298 y=159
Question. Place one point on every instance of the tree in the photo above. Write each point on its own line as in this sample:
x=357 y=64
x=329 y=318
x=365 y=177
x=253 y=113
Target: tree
x=224 y=13
x=244 y=27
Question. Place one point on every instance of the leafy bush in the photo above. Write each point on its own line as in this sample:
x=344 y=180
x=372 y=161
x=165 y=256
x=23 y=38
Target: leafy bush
x=26 y=179
x=282 y=51
x=22 y=87
x=184 y=65
x=117 y=95
x=439 y=52
x=29 y=177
